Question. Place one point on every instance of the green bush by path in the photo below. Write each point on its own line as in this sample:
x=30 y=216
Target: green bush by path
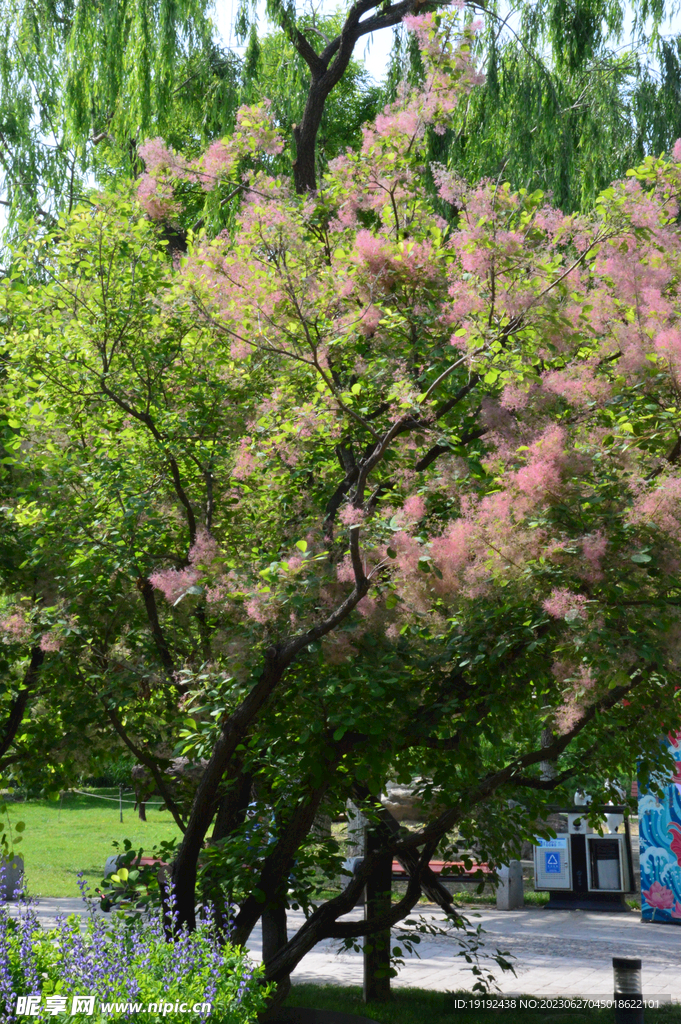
x=76 y=834
x=419 y=1006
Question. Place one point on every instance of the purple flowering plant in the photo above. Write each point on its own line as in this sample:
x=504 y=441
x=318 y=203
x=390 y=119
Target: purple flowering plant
x=123 y=961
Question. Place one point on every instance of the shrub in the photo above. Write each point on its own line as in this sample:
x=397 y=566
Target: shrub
x=116 y=771
x=120 y=961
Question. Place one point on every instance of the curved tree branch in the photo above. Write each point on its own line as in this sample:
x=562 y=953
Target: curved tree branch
x=16 y=715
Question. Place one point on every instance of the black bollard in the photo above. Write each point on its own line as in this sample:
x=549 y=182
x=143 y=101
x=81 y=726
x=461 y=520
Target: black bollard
x=628 y=992
x=377 y=901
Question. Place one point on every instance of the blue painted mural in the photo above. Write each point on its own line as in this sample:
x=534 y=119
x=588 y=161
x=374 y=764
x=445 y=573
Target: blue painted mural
x=659 y=823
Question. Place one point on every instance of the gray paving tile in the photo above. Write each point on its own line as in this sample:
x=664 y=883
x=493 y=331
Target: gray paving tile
x=560 y=953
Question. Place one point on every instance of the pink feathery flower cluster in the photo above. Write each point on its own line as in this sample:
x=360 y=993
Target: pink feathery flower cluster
x=668 y=344
x=578 y=385
x=660 y=506
x=244 y=463
x=156 y=198
x=451 y=551
x=157 y=156
x=351 y=516
x=255 y=134
x=50 y=642
x=373 y=250
x=449 y=74
x=16 y=626
x=514 y=397
x=154 y=189
x=562 y=602
x=174 y=583
x=449 y=185
x=424 y=28
x=545 y=458
x=344 y=571
x=217 y=162
x=415 y=507
x=593 y=550
x=255 y=130
x=406 y=122
x=371 y=318
x=567 y=716
x=259 y=609
x=571 y=711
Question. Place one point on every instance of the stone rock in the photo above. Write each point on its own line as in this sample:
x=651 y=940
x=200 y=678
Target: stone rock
x=11 y=875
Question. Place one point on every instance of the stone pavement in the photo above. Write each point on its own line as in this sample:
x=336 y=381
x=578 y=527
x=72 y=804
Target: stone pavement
x=558 y=953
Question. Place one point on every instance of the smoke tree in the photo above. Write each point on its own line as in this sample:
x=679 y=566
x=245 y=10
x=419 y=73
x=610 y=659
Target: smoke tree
x=351 y=493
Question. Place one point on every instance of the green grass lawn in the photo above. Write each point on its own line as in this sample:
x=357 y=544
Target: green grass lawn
x=62 y=839
x=418 y=1006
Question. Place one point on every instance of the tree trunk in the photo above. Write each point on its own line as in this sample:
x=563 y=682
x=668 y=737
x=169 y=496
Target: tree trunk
x=274 y=930
x=232 y=808
x=547 y=768
x=203 y=808
x=326 y=71
x=16 y=715
x=305 y=136
x=274 y=938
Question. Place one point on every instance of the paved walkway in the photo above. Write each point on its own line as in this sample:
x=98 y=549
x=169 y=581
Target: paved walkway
x=558 y=953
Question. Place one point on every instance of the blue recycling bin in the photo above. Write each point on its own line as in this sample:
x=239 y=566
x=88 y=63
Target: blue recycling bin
x=584 y=870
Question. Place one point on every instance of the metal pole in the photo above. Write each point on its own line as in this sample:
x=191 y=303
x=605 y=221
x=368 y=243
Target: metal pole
x=628 y=991
x=120 y=803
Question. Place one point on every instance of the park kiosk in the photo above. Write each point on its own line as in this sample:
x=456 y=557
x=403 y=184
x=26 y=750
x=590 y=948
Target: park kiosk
x=582 y=869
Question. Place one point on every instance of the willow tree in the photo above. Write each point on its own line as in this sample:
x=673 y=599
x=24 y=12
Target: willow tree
x=566 y=107
x=81 y=85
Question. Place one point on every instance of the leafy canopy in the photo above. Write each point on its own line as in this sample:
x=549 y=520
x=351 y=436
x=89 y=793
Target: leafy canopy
x=352 y=493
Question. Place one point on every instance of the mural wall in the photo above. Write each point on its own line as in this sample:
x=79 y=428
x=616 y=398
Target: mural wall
x=659 y=823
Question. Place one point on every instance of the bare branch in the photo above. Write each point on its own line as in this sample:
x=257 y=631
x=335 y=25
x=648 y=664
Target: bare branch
x=147 y=591
x=149 y=762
